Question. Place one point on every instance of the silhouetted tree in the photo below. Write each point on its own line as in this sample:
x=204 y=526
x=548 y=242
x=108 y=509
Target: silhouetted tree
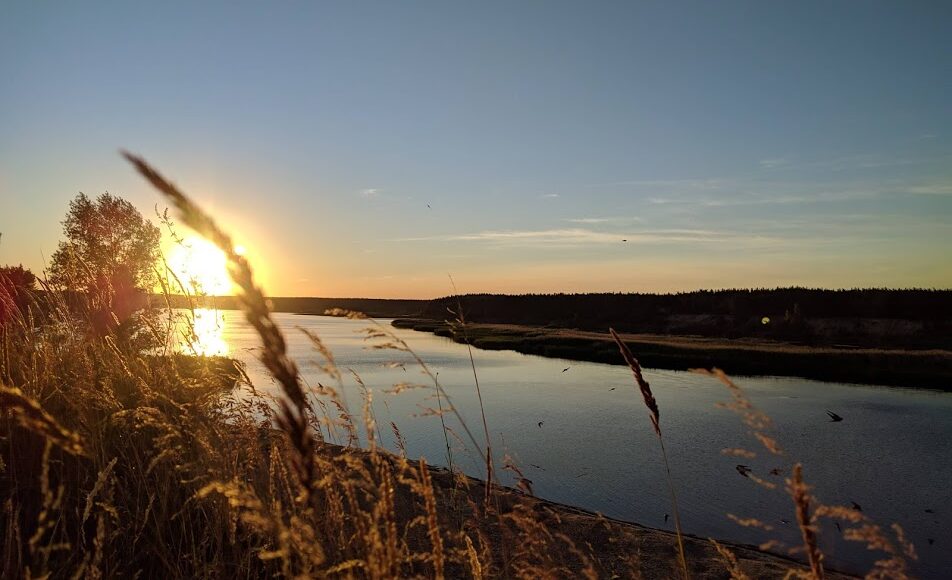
x=16 y=284
x=109 y=253
x=105 y=239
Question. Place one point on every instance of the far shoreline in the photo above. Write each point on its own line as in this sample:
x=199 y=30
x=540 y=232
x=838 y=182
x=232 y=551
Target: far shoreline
x=923 y=369
x=895 y=338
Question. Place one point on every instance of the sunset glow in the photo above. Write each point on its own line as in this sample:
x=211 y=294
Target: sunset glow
x=200 y=266
x=203 y=334
x=476 y=289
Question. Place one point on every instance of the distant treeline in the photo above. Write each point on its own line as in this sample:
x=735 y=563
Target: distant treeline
x=857 y=303
x=869 y=317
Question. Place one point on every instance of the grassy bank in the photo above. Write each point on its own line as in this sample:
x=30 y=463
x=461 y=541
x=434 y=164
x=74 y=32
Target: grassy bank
x=911 y=368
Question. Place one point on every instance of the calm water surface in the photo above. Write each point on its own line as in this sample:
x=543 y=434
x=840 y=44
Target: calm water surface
x=595 y=447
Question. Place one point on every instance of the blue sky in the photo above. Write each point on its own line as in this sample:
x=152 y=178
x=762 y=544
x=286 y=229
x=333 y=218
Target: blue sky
x=731 y=143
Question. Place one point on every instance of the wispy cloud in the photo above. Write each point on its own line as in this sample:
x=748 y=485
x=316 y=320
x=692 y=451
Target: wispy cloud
x=604 y=220
x=750 y=193
x=786 y=193
x=548 y=196
x=932 y=189
x=585 y=237
x=846 y=162
x=774 y=162
x=679 y=184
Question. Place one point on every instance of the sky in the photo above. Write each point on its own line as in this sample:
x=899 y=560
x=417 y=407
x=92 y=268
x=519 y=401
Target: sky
x=392 y=149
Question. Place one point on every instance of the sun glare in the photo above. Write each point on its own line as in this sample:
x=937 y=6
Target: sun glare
x=201 y=267
x=203 y=333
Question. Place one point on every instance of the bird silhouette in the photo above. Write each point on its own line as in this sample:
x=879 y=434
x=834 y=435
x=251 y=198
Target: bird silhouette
x=565 y=369
x=624 y=240
x=834 y=418
x=540 y=423
x=930 y=540
x=428 y=205
x=612 y=389
x=776 y=471
x=743 y=470
x=930 y=511
x=838 y=527
x=856 y=506
x=665 y=518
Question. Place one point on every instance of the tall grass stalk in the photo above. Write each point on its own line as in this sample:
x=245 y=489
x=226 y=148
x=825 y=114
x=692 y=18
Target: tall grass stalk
x=655 y=415
x=490 y=467
x=801 y=499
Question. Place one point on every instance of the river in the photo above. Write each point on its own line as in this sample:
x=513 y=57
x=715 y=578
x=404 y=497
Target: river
x=583 y=437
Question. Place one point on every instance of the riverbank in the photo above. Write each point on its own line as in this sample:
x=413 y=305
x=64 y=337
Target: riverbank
x=615 y=548
x=894 y=367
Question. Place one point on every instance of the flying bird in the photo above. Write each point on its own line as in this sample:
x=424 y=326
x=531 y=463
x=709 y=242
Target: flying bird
x=856 y=506
x=624 y=240
x=540 y=423
x=565 y=369
x=665 y=518
x=612 y=389
x=743 y=470
x=834 y=418
x=776 y=471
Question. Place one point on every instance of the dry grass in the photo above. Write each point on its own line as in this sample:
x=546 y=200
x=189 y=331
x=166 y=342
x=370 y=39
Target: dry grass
x=807 y=509
x=117 y=463
x=655 y=415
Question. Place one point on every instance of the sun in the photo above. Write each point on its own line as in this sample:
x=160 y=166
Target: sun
x=201 y=267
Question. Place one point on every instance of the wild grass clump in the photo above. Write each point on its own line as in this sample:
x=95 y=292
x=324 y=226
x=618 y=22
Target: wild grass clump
x=809 y=512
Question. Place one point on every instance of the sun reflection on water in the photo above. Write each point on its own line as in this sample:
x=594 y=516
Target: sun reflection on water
x=204 y=335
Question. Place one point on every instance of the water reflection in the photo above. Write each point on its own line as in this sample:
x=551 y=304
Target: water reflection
x=203 y=332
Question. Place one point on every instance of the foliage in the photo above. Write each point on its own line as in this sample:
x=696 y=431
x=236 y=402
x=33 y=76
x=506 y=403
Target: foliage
x=107 y=241
x=17 y=278
x=109 y=256
x=16 y=285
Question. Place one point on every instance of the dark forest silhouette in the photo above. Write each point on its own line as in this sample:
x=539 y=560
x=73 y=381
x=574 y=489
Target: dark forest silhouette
x=872 y=317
